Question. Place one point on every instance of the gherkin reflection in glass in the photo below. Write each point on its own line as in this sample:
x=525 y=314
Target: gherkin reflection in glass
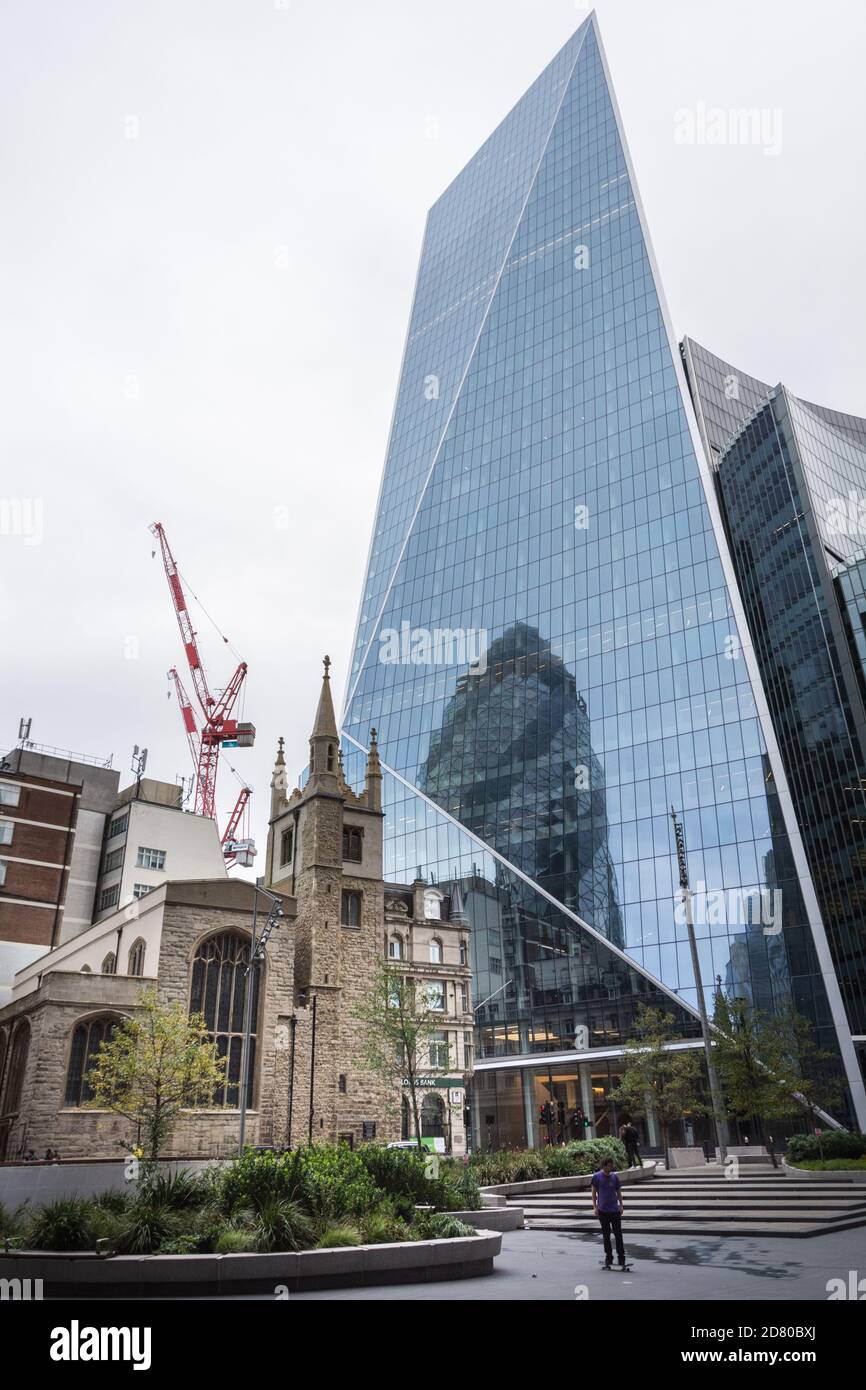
x=543 y=507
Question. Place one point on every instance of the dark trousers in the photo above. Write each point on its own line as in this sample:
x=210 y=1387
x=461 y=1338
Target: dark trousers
x=633 y=1156
x=612 y=1221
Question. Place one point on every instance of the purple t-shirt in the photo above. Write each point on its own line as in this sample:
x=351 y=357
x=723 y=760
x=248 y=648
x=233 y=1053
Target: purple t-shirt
x=607 y=1188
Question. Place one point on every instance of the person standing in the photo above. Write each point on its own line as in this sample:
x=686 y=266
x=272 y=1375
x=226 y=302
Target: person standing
x=607 y=1206
x=630 y=1137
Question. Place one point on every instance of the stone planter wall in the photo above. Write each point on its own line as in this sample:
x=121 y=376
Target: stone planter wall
x=153 y=1276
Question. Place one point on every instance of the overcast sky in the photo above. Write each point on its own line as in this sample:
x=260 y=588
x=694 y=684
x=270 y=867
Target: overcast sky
x=211 y=218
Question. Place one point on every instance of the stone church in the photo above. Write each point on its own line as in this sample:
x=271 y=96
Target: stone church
x=191 y=941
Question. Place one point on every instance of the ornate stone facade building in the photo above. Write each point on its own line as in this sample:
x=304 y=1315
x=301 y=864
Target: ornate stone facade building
x=191 y=941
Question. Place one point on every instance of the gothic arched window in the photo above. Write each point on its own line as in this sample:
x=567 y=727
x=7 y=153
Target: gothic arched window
x=18 y=1051
x=109 y=965
x=217 y=991
x=85 y=1045
x=136 y=958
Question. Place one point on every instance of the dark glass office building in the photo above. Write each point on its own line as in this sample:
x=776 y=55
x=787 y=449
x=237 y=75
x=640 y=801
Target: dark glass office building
x=791 y=478
x=549 y=639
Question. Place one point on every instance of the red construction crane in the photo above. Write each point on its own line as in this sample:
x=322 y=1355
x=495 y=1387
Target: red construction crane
x=218 y=729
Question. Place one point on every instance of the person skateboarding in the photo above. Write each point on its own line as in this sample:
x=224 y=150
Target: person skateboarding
x=607 y=1206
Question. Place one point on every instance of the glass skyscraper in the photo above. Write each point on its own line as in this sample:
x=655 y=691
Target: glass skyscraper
x=549 y=640
x=791 y=478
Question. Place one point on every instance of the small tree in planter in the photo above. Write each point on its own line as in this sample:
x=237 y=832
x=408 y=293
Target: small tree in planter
x=769 y=1064
x=155 y=1064
x=398 y=1023
x=672 y=1079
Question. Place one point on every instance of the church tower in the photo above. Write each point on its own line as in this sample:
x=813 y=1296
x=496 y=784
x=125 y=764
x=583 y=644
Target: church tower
x=325 y=849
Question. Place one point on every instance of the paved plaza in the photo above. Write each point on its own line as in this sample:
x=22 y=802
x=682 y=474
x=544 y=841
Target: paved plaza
x=550 y=1264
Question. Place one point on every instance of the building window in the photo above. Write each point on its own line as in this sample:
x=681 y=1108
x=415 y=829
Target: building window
x=436 y=995
x=20 y=1047
x=432 y=905
x=286 y=843
x=353 y=840
x=141 y=890
x=83 y=1053
x=85 y=970
x=464 y=954
x=342 y=1083
x=217 y=992
x=118 y=826
x=3 y=1042
x=436 y=951
x=330 y=757
x=6 y=828
x=467 y=1051
x=432 y=1117
x=495 y=965
x=2 y=872
x=439 y=1050
x=351 y=909
x=395 y=948
x=108 y=897
x=150 y=858
x=464 y=999
x=113 y=860
x=10 y=794
x=109 y=965
x=136 y=958
x=17 y=1064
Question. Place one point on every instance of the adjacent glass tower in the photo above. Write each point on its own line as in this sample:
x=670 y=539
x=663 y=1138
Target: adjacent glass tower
x=547 y=640
x=791 y=478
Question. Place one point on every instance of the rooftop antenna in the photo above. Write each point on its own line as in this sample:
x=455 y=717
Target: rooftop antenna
x=139 y=763
x=23 y=731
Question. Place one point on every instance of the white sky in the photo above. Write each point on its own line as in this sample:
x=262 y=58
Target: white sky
x=204 y=324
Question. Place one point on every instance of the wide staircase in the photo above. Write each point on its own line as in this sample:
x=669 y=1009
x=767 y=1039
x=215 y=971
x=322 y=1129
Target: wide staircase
x=702 y=1201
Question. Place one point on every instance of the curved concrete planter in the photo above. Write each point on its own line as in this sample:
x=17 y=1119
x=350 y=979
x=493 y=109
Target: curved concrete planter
x=153 y=1276
x=833 y=1175
x=577 y=1184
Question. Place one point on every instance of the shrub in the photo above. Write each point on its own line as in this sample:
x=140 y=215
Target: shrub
x=177 y=1191
x=438 y=1225
x=180 y=1245
x=384 y=1226
x=11 y=1222
x=835 y=1143
x=113 y=1201
x=335 y=1237
x=281 y=1224
x=146 y=1227
x=67 y=1224
x=232 y=1240
x=833 y=1165
x=566 y=1160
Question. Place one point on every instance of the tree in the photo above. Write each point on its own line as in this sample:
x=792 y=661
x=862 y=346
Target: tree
x=398 y=1021
x=155 y=1064
x=672 y=1080
x=769 y=1064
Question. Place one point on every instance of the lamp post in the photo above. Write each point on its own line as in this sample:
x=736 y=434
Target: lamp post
x=257 y=954
x=715 y=1088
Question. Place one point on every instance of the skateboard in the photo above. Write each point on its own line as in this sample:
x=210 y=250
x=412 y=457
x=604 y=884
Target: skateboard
x=621 y=1269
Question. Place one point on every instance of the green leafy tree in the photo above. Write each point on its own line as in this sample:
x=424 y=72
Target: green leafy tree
x=155 y=1064
x=672 y=1080
x=769 y=1065
x=398 y=1022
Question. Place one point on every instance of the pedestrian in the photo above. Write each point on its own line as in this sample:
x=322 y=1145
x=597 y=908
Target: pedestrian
x=607 y=1206
x=630 y=1138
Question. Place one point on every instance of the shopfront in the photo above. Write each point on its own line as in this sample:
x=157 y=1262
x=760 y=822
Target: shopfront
x=556 y=1102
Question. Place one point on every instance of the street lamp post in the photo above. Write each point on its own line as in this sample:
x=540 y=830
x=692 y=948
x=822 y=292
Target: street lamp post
x=715 y=1088
x=257 y=954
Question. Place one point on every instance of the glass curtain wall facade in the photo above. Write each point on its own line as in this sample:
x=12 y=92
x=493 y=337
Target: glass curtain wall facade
x=791 y=478
x=546 y=640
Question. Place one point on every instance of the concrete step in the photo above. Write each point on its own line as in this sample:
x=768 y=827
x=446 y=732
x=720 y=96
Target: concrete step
x=707 y=1228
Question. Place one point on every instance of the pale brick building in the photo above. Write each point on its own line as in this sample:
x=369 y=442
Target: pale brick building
x=191 y=941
